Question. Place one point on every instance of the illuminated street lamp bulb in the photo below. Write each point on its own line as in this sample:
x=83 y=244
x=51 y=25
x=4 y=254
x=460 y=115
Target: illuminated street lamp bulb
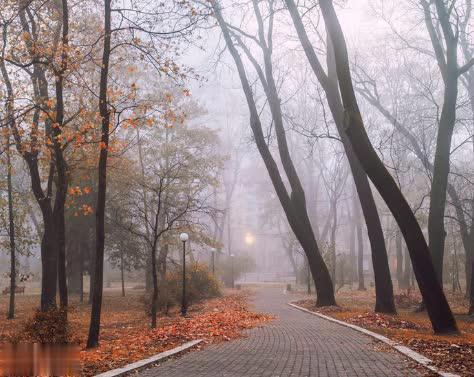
x=183 y=237
x=249 y=239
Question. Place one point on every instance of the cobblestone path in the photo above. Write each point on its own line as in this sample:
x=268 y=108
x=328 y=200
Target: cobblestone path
x=294 y=344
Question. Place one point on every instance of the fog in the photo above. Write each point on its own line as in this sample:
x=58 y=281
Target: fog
x=267 y=192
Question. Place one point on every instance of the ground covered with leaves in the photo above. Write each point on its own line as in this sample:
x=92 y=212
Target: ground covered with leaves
x=126 y=335
x=449 y=353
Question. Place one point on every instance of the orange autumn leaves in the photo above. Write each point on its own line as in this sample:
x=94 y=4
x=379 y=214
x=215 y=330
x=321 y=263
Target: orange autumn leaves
x=74 y=194
x=449 y=353
x=215 y=321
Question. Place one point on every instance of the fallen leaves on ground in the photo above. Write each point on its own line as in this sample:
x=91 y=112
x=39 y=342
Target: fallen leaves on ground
x=449 y=353
x=216 y=320
x=126 y=335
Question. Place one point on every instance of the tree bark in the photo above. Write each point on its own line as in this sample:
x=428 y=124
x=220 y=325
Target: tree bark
x=399 y=251
x=11 y=231
x=122 y=274
x=94 y=329
x=154 y=300
x=448 y=65
x=92 y=260
x=74 y=267
x=9 y=109
x=471 y=295
x=81 y=250
x=333 y=246
x=407 y=271
x=61 y=168
x=360 y=246
x=294 y=204
x=437 y=306
x=352 y=253
x=383 y=283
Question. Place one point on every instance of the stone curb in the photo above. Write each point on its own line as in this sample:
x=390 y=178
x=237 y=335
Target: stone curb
x=146 y=362
x=420 y=359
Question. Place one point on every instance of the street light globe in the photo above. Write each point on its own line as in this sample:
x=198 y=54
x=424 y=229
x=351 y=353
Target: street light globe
x=249 y=239
x=183 y=237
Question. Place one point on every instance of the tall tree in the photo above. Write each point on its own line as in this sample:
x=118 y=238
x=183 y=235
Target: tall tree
x=293 y=204
x=446 y=51
x=329 y=82
x=437 y=306
x=104 y=111
x=11 y=222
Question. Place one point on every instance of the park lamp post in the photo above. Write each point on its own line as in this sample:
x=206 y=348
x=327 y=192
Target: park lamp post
x=184 y=237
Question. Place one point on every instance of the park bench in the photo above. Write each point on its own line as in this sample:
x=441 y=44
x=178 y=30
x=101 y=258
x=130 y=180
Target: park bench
x=17 y=290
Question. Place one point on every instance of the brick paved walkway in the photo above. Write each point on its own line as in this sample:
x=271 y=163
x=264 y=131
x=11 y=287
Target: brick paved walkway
x=295 y=344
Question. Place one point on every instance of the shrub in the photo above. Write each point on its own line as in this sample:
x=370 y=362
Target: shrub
x=49 y=327
x=200 y=284
x=240 y=264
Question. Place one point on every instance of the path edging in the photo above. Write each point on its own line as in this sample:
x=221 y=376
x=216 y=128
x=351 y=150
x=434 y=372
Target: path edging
x=415 y=356
x=146 y=362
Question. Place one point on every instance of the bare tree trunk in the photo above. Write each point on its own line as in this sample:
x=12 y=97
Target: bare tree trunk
x=49 y=262
x=360 y=247
x=148 y=274
x=94 y=329
x=448 y=64
x=407 y=271
x=352 y=253
x=122 y=274
x=294 y=205
x=399 y=250
x=154 y=300
x=162 y=268
x=383 y=283
x=333 y=246
x=92 y=260
x=471 y=296
x=9 y=109
x=308 y=278
x=81 y=250
x=61 y=231
x=437 y=306
x=11 y=231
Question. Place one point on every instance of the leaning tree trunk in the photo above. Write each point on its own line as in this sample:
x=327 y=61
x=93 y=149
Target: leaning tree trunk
x=383 y=283
x=294 y=204
x=437 y=306
x=94 y=329
x=399 y=251
x=446 y=57
x=436 y=231
x=360 y=248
